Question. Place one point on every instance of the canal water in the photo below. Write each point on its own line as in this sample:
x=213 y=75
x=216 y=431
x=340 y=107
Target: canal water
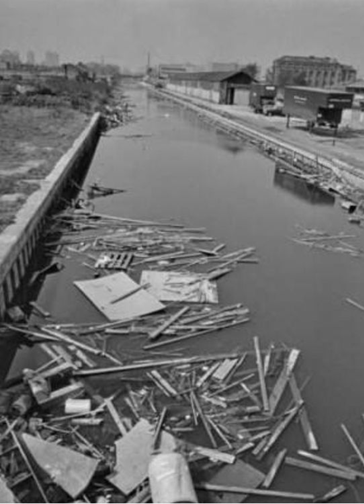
x=175 y=167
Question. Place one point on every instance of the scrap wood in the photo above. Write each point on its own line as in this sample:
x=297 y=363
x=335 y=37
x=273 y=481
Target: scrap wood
x=69 y=469
x=133 y=454
x=158 y=429
x=353 y=444
x=254 y=491
x=283 y=379
x=354 y=303
x=207 y=374
x=263 y=388
x=278 y=431
x=328 y=471
x=331 y=463
x=102 y=291
x=130 y=293
x=193 y=334
x=70 y=341
x=203 y=419
x=26 y=460
x=224 y=369
x=212 y=454
x=154 y=334
x=303 y=415
x=157 y=363
x=165 y=386
x=335 y=492
x=240 y=473
x=115 y=415
x=274 y=468
x=39 y=309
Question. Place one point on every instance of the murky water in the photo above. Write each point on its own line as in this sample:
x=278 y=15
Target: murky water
x=175 y=167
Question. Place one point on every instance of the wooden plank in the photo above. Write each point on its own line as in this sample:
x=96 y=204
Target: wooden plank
x=154 y=334
x=274 y=469
x=331 y=463
x=156 y=363
x=254 y=491
x=164 y=383
x=69 y=469
x=177 y=286
x=115 y=416
x=353 y=444
x=267 y=359
x=278 y=431
x=282 y=381
x=263 y=388
x=224 y=369
x=102 y=291
x=303 y=416
x=128 y=294
x=212 y=454
x=354 y=303
x=207 y=374
x=328 y=471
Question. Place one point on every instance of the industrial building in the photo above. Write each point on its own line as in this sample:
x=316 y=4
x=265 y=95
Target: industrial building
x=218 y=87
x=317 y=72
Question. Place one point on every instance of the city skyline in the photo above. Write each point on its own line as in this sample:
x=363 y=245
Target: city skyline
x=124 y=31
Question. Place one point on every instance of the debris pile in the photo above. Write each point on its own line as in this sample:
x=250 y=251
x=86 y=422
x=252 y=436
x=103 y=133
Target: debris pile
x=89 y=423
x=314 y=238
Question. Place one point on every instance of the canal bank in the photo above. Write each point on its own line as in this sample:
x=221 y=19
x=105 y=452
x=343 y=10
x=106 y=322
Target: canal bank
x=300 y=148
x=177 y=168
x=18 y=241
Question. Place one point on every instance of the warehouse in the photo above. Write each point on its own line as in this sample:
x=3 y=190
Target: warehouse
x=219 y=87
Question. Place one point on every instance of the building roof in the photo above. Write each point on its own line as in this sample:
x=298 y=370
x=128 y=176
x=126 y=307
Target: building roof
x=313 y=60
x=207 y=76
x=357 y=84
x=319 y=90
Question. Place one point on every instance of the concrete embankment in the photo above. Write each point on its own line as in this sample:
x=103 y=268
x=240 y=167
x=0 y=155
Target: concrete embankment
x=269 y=143
x=19 y=240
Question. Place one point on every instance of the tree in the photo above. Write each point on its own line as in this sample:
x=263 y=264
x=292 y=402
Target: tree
x=252 y=69
x=269 y=75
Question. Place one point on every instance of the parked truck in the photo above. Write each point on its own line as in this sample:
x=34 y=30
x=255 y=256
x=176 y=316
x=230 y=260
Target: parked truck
x=262 y=97
x=319 y=107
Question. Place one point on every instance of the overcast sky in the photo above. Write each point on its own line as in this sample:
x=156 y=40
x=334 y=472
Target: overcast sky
x=123 y=31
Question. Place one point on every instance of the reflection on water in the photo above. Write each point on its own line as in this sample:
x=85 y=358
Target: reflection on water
x=302 y=189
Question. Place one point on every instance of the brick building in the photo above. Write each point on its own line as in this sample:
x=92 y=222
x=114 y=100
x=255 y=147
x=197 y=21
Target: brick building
x=317 y=72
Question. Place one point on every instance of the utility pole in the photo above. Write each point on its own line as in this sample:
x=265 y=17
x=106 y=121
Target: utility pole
x=148 y=62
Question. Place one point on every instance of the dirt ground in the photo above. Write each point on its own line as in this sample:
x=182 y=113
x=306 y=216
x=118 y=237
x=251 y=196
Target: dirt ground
x=349 y=144
x=31 y=142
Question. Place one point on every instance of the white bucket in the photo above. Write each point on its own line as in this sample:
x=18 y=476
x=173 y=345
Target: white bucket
x=72 y=406
x=170 y=479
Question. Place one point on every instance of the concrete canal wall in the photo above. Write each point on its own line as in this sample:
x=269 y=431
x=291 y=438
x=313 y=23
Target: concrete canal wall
x=350 y=174
x=19 y=240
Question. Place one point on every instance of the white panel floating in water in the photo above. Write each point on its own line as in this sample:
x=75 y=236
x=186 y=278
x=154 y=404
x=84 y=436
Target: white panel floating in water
x=118 y=297
x=177 y=286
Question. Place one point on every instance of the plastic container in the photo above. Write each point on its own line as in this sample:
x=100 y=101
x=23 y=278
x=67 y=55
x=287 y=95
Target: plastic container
x=73 y=406
x=170 y=479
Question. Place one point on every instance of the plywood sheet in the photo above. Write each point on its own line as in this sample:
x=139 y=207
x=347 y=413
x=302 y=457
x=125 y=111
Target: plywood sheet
x=177 y=286
x=103 y=291
x=69 y=469
x=133 y=454
x=238 y=474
